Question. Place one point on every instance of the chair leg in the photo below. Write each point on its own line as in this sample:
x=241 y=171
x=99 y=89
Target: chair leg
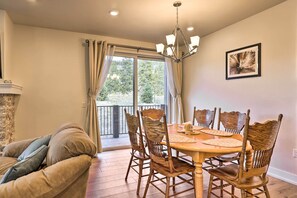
x=148 y=182
x=243 y=193
x=173 y=182
x=167 y=187
x=129 y=166
x=209 y=186
x=221 y=188
x=139 y=175
x=232 y=190
x=221 y=182
x=266 y=191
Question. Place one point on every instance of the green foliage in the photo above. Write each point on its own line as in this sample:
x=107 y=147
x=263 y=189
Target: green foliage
x=120 y=79
x=147 y=94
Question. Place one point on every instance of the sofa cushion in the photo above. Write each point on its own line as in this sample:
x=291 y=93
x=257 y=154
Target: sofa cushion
x=6 y=163
x=69 y=142
x=29 y=164
x=53 y=181
x=34 y=145
x=15 y=149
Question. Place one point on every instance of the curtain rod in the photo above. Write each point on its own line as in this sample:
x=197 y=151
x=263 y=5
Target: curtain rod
x=129 y=46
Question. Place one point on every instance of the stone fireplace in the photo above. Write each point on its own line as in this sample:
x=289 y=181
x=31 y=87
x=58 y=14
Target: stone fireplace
x=9 y=96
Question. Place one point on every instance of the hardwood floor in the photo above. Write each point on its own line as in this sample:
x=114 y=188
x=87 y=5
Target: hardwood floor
x=107 y=179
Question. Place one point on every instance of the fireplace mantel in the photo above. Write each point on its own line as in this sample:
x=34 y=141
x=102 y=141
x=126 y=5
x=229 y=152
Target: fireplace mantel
x=10 y=88
x=9 y=93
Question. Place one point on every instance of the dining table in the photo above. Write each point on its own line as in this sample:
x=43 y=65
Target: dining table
x=199 y=151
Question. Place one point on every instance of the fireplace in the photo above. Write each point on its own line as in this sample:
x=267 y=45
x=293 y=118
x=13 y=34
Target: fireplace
x=9 y=95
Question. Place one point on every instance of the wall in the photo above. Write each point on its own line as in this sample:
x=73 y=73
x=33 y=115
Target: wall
x=274 y=92
x=6 y=32
x=50 y=65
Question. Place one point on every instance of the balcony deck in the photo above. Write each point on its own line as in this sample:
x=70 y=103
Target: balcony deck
x=110 y=143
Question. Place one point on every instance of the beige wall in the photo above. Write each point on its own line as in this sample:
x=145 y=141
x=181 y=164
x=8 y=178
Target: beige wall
x=266 y=96
x=50 y=65
x=6 y=32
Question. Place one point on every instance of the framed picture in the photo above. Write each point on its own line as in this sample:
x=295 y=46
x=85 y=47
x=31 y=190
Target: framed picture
x=244 y=62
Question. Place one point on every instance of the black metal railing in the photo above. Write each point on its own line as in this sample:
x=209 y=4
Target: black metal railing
x=112 y=120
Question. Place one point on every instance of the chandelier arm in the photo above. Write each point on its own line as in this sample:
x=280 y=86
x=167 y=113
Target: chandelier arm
x=184 y=39
x=187 y=55
x=173 y=52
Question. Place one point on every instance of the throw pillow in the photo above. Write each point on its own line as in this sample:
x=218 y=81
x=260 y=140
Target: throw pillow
x=34 y=145
x=29 y=164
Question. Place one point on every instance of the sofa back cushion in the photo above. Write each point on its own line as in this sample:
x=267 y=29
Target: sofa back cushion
x=15 y=149
x=70 y=141
x=34 y=145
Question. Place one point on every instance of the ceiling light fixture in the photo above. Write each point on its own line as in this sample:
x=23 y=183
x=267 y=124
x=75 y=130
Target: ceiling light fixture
x=172 y=47
x=191 y=28
x=114 y=12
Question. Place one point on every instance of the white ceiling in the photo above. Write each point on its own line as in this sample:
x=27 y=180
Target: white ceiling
x=145 y=20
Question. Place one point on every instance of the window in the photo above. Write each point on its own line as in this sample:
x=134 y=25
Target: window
x=132 y=83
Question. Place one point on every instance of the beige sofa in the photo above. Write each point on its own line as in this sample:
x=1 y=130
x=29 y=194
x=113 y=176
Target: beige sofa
x=66 y=171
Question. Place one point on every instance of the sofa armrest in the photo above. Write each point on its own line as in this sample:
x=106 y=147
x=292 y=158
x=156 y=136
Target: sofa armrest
x=49 y=182
x=15 y=149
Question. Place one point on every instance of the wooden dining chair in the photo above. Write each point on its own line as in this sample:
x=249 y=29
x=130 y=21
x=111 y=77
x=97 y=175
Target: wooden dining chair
x=232 y=122
x=139 y=157
x=163 y=165
x=153 y=113
x=204 y=118
x=251 y=173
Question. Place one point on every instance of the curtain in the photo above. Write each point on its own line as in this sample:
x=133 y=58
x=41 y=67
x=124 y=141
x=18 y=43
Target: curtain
x=174 y=71
x=100 y=58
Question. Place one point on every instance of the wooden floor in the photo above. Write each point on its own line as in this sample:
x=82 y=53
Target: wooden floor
x=107 y=179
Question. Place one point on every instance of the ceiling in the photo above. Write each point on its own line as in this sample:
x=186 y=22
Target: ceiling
x=144 y=20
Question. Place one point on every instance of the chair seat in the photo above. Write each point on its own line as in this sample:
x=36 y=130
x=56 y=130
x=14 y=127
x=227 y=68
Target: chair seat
x=181 y=167
x=228 y=157
x=140 y=155
x=229 y=174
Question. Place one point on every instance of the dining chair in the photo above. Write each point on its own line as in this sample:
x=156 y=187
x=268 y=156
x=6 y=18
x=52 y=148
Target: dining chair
x=139 y=157
x=204 y=118
x=163 y=166
x=251 y=172
x=233 y=122
x=153 y=113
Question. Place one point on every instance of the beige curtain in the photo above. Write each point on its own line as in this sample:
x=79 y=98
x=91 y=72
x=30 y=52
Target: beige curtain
x=100 y=57
x=174 y=73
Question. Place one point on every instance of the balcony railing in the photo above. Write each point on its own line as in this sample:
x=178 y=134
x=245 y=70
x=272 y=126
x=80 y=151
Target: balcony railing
x=112 y=120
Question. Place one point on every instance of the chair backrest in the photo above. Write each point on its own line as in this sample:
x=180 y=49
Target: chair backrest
x=135 y=132
x=156 y=114
x=204 y=117
x=262 y=137
x=233 y=121
x=155 y=132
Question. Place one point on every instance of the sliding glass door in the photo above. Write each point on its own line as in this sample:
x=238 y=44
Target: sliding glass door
x=132 y=83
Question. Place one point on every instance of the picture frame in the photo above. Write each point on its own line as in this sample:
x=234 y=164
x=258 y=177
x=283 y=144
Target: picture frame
x=244 y=62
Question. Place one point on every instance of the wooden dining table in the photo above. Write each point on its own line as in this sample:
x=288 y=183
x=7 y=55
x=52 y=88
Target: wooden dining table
x=200 y=151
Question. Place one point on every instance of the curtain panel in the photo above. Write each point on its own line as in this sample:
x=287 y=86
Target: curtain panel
x=174 y=71
x=100 y=58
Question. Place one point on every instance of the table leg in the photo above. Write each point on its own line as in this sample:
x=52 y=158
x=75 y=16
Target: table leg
x=198 y=180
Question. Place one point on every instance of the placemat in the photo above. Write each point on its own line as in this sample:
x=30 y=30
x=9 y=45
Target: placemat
x=224 y=142
x=217 y=132
x=175 y=138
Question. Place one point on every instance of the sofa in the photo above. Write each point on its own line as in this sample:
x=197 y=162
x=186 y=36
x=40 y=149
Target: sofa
x=63 y=173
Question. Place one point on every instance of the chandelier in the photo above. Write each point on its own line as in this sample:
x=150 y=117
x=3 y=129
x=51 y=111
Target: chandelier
x=172 y=48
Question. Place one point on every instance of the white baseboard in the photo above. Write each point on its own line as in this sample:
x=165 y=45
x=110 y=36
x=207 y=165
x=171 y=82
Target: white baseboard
x=282 y=175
